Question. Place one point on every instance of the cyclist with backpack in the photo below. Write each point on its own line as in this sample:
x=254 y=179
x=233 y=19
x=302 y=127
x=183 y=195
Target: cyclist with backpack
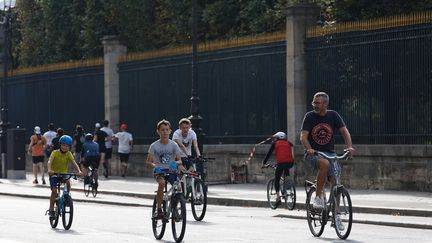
x=284 y=158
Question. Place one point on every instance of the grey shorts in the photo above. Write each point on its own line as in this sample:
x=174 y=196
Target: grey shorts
x=313 y=159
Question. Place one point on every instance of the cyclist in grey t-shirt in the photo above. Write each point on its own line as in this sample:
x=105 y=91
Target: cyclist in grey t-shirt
x=163 y=155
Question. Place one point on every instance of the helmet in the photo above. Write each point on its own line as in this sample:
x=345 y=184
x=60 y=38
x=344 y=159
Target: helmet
x=89 y=136
x=65 y=139
x=280 y=135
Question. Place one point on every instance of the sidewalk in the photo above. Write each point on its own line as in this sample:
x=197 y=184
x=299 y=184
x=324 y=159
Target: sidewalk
x=396 y=208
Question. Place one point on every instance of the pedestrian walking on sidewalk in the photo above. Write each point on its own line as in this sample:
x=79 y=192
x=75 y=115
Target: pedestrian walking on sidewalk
x=100 y=138
x=317 y=134
x=108 y=145
x=36 y=150
x=49 y=136
x=125 y=143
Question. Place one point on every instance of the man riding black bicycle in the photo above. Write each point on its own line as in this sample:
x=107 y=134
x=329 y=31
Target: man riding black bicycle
x=284 y=158
x=317 y=134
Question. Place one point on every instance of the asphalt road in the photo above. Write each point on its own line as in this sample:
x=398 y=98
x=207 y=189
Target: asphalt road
x=23 y=220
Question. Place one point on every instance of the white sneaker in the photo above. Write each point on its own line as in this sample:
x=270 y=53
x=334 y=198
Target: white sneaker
x=318 y=203
x=339 y=224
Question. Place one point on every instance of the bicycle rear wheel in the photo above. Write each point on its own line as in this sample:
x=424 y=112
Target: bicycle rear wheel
x=289 y=194
x=178 y=217
x=199 y=202
x=87 y=186
x=54 y=222
x=271 y=194
x=344 y=212
x=67 y=213
x=158 y=225
x=315 y=218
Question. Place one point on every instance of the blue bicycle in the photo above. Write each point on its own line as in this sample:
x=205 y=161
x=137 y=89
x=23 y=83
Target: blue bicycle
x=63 y=204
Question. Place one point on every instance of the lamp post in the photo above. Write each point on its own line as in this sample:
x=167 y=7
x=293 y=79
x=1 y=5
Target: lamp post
x=195 y=116
x=4 y=59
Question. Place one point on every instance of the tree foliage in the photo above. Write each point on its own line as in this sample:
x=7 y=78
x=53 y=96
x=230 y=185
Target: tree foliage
x=48 y=31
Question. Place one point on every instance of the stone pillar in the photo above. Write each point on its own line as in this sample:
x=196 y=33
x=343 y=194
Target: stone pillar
x=299 y=17
x=113 y=50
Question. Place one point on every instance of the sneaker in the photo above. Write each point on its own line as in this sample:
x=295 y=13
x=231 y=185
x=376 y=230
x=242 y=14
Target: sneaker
x=339 y=224
x=43 y=181
x=318 y=203
x=51 y=215
x=35 y=181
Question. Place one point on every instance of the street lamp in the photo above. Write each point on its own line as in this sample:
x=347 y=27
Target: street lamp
x=4 y=58
x=194 y=108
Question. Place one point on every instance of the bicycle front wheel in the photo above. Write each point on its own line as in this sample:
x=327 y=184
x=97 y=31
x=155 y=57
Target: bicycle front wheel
x=67 y=213
x=199 y=200
x=178 y=217
x=315 y=217
x=289 y=194
x=342 y=213
x=54 y=222
x=271 y=194
x=94 y=186
x=158 y=224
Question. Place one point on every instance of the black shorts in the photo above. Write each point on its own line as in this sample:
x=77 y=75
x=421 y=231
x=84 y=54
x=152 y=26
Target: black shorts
x=94 y=161
x=102 y=149
x=38 y=159
x=123 y=157
x=108 y=153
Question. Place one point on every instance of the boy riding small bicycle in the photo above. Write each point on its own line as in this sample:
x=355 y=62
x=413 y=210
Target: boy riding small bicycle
x=163 y=156
x=284 y=158
x=58 y=163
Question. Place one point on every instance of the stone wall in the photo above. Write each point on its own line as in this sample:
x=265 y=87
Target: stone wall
x=376 y=167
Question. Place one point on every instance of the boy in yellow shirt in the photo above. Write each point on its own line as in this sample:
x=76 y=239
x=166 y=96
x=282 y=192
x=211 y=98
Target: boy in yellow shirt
x=58 y=163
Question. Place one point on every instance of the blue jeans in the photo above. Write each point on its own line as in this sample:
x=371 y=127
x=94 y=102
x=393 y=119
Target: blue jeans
x=313 y=160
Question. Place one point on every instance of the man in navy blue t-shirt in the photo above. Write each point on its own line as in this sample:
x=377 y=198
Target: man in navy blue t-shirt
x=317 y=133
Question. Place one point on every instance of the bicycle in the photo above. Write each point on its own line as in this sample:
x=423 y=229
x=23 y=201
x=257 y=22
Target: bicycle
x=63 y=206
x=338 y=207
x=287 y=187
x=90 y=183
x=195 y=190
x=174 y=208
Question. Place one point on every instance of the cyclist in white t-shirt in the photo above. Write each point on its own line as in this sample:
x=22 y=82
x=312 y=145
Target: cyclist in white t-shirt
x=124 y=147
x=185 y=137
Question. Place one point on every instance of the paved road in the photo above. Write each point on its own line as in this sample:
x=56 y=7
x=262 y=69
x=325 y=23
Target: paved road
x=23 y=220
x=405 y=209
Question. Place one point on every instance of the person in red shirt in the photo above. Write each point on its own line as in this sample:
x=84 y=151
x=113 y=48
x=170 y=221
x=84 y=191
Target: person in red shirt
x=284 y=158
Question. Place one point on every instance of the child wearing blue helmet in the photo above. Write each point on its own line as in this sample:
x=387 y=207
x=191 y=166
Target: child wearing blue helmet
x=58 y=163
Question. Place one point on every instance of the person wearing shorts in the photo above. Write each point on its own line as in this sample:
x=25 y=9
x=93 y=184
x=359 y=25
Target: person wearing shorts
x=36 y=150
x=125 y=145
x=90 y=156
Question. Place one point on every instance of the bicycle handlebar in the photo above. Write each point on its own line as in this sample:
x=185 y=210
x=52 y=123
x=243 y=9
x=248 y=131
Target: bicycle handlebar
x=343 y=156
x=65 y=176
x=269 y=165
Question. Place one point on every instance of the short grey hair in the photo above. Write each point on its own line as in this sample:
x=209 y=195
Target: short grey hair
x=324 y=96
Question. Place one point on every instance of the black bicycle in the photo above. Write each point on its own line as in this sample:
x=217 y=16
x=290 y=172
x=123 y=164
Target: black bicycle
x=338 y=207
x=195 y=190
x=63 y=206
x=90 y=183
x=287 y=190
x=173 y=208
